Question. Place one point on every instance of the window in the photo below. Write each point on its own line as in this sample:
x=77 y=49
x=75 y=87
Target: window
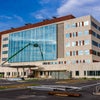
x=60 y=62
x=67 y=26
x=41 y=73
x=80 y=23
x=98 y=36
x=44 y=63
x=99 y=28
x=74 y=34
x=73 y=61
x=56 y=62
x=74 y=25
x=79 y=33
x=5 y=45
x=67 y=35
x=90 y=73
x=95 y=43
x=79 y=43
x=68 y=62
x=86 y=42
x=86 y=52
x=93 y=73
x=80 y=52
x=15 y=73
x=97 y=73
x=86 y=23
x=77 y=73
x=94 y=52
x=4 y=59
x=46 y=38
x=98 y=53
x=74 y=53
x=93 y=33
x=68 y=53
x=68 y=44
x=24 y=73
x=73 y=44
x=4 y=52
x=87 y=61
x=8 y=73
x=5 y=39
x=94 y=25
x=84 y=73
x=86 y=32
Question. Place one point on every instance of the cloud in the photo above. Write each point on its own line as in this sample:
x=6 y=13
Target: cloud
x=41 y=14
x=13 y=17
x=10 y=21
x=78 y=7
x=5 y=17
x=18 y=18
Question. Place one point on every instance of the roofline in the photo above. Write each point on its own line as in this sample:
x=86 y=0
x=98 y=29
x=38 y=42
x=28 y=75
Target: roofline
x=45 y=22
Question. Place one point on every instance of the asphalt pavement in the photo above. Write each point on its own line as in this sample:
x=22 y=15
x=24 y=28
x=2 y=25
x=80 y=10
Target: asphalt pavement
x=28 y=94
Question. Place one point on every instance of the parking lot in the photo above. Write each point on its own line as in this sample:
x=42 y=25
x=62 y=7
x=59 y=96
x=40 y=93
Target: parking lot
x=28 y=94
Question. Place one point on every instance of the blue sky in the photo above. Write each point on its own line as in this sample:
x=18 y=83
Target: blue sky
x=16 y=13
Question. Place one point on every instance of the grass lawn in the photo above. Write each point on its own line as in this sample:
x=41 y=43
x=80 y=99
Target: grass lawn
x=17 y=86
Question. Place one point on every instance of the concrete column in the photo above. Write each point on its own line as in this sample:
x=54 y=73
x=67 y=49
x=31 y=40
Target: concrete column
x=23 y=72
x=17 y=72
x=43 y=74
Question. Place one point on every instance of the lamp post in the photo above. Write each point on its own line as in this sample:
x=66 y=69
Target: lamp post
x=37 y=45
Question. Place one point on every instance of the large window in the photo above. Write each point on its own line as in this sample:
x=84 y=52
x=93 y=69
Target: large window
x=86 y=32
x=79 y=33
x=86 y=52
x=86 y=42
x=68 y=35
x=67 y=26
x=86 y=23
x=87 y=60
x=93 y=73
x=98 y=73
x=74 y=43
x=80 y=52
x=44 y=36
x=90 y=73
x=74 y=25
x=68 y=53
x=68 y=44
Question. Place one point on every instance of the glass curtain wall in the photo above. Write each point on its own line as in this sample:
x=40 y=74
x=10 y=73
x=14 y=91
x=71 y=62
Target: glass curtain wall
x=44 y=36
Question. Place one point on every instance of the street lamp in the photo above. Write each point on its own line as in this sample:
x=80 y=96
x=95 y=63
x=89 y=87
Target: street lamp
x=37 y=45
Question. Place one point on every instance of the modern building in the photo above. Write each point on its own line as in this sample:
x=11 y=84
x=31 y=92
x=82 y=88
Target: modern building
x=57 y=48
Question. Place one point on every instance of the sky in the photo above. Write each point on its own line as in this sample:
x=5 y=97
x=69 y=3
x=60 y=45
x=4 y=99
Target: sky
x=16 y=13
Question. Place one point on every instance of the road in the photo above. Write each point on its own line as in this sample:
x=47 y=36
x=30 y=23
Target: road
x=27 y=94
